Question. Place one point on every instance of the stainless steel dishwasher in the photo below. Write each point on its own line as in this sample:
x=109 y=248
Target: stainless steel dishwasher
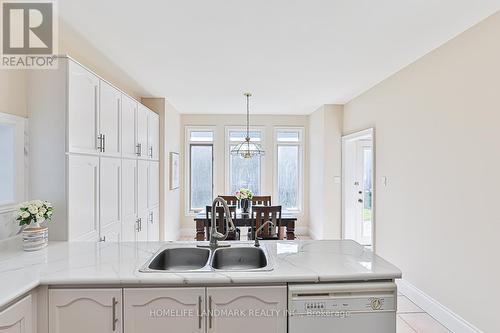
x=342 y=307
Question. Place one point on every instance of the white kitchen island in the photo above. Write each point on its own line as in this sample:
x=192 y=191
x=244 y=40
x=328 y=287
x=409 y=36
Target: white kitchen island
x=98 y=286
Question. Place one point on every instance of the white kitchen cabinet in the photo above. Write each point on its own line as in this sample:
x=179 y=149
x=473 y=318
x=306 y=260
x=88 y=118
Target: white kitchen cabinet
x=18 y=318
x=154 y=224
x=142 y=131
x=83 y=119
x=265 y=305
x=110 y=198
x=153 y=136
x=129 y=199
x=154 y=310
x=83 y=110
x=153 y=184
x=83 y=197
x=85 y=310
x=128 y=127
x=109 y=119
x=142 y=185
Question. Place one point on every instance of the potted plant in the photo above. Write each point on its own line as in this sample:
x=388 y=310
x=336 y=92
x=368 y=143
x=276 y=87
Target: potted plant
x=244 y=196
x=30 y=216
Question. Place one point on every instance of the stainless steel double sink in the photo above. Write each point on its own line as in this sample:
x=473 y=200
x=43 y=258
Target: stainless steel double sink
x=197 y=259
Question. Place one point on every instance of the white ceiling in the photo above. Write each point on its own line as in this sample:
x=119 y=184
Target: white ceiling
x=293 y=55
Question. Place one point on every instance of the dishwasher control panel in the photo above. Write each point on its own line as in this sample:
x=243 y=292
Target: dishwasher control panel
x=348 y=297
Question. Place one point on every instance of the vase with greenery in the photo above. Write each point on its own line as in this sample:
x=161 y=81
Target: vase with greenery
x=31 y=215
x=244 y=196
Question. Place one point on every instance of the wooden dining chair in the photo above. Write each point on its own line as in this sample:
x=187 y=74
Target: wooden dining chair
x=220 y=222
x=230 y=199
x=263 y=214
x=261 y=200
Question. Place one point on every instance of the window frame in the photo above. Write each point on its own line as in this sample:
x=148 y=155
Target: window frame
x=20 y=160
x=301 y=144
x=187 y=162
x=227 y=151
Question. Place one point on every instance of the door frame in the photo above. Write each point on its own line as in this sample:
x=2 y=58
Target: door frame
x=369 y=132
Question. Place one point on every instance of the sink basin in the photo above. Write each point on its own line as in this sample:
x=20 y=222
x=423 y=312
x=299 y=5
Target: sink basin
x=180 y=259
x=239 y=258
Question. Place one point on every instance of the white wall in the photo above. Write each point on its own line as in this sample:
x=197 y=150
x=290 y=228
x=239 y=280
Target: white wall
x=13 y=92
x=325 y=131
x=269 y=123
x=437 y=141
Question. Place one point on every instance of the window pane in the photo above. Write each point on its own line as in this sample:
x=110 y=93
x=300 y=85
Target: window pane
x=7 y=174
x=240 y=135
x=244 y=173
x=288 y=136
x=201 y=176
x=288 y=176
x=198 y=136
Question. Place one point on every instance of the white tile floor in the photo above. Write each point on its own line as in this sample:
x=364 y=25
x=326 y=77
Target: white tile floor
x=410 y=319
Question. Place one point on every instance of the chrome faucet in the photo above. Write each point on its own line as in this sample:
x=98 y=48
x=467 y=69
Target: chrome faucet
x=216 y=236
x=257 y=244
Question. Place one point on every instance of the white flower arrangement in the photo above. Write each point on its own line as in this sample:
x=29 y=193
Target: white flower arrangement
x=244 y=193
x=36 y=211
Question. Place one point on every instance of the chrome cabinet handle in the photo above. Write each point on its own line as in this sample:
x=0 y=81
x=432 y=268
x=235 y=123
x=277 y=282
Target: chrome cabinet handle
x=209 y=312
x=99 y=143
x=138 y=149
x=151 y=217
x=138 y=225
x=102 y=239
x=199 y=312
x=103 y=142
x=115 y=320
x=151 y=152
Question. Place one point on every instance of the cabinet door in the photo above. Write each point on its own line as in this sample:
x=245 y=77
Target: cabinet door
x=109 y=119
x=153 y=136
x=83 y=110
x=129 y=199
x=142 y=185
x=265 y=308
x=85 y=310
x=128 y=132
x=110 y=199
x=83 y=197
x=154 y=224
x=142 y=131
x=154 y=310
x=153 y=184
x=18 y=318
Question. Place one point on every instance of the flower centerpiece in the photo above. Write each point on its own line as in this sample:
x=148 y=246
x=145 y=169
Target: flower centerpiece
x=30 y=215
x=244 y=196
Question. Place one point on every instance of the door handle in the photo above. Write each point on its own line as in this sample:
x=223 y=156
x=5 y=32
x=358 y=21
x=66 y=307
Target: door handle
x=99 y=142
x=103 y=142
x=151 y=152
x=115 y=320
x=360 y=200
x=199 y=312
x=138 y=148
x=210 y=312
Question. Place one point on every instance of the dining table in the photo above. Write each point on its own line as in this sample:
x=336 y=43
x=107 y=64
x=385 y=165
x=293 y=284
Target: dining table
x=241 y=219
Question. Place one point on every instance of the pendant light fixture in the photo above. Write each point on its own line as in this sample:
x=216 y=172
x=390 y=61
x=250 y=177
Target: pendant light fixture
x=247 y=149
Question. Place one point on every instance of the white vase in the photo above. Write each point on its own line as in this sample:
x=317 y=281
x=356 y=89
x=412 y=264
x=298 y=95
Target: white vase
x=35 y=237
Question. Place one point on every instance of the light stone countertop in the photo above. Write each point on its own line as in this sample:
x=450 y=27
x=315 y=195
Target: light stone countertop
x=106 y=263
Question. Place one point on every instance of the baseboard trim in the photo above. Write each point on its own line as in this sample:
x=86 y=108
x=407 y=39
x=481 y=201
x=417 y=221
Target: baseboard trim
x=438 y=311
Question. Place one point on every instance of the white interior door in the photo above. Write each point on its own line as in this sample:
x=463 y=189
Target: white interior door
x=357 y=185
